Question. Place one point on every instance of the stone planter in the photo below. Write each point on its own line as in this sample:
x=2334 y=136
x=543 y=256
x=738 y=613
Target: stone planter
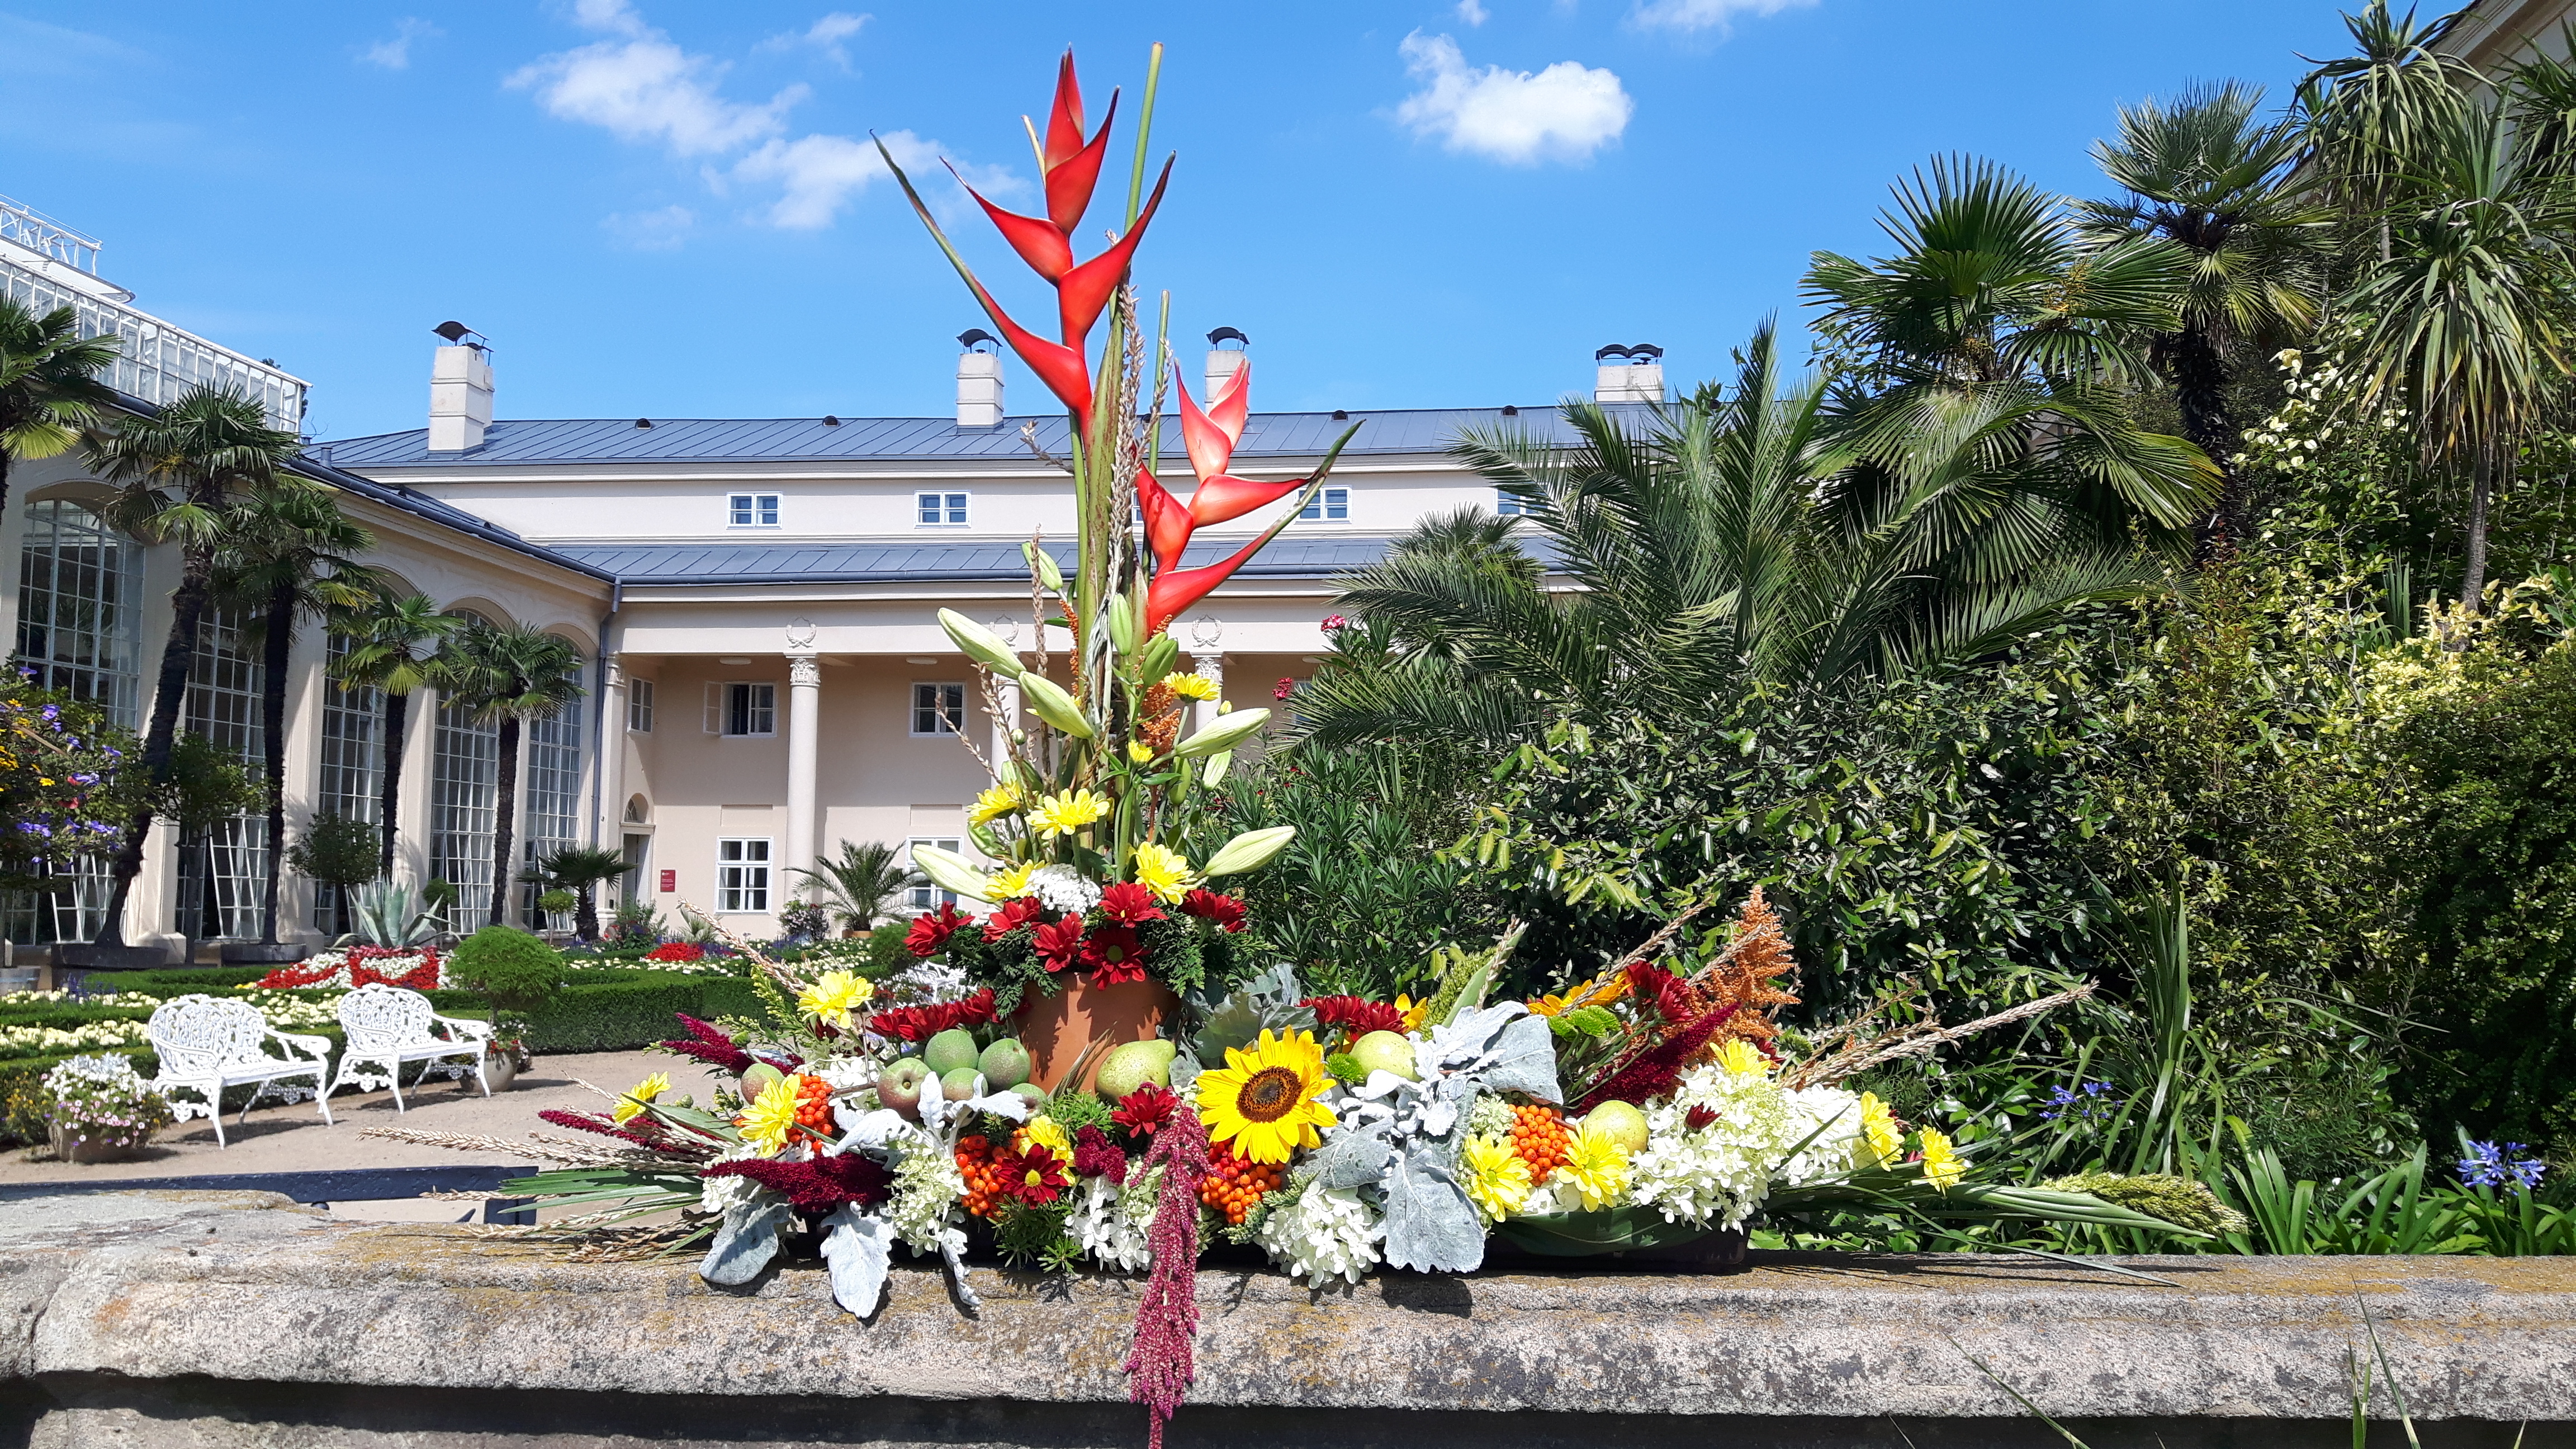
x=258 y=953
x=500 y=1072
x=93 y=1150
x=1057 y=1028
x=87 y=957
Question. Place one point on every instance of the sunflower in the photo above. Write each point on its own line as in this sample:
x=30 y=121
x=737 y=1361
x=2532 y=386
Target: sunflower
x=1597 y=1166
x=832 y=995
x=1066 y=812
x=770 y=1122
x=1414 y=1011
x=631 y=1106
x=993 y=804
x=1595 y=992
x=1264 y=1100
x=1498 y=1182
x=1164 y=871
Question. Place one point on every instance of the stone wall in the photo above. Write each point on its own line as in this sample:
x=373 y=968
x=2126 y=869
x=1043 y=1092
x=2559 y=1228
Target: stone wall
x=145 y=1320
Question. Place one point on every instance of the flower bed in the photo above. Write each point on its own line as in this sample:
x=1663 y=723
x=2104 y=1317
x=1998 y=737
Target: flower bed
x=358 y=966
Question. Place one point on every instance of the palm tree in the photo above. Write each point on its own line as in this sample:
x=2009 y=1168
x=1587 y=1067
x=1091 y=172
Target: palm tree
x=1712 y=554
x=178 y=472
x=863 y=883
x=579 y=869
x=286 y=552
x=509 y=676
x=2208 y=175
x=390 y=645
x=49 y=387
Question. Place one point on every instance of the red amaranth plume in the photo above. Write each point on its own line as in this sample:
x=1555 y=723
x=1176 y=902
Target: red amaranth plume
x=1657 y=1069
x=1161 y=1364
x=586 y=1122
x=709 y=1045
x=817 y=1185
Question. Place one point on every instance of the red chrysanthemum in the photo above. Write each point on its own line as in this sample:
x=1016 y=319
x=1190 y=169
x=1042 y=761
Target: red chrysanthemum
x=921 y=1023
x=1035 y=1177
x=1094 y=1155
x=1224 y=910
x=1060 y=945
x=1356 y=1015
x=1013 y=915
x=1670 y=994
x=1129 y=904
x=817 y=1185
x=1146 y=1110
x=931 y=931
x=1113 y=955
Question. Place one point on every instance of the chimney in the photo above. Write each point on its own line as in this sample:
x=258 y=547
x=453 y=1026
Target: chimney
x=1632 y=374
x=979 y=379
x=1224 y=362
x=460 y=390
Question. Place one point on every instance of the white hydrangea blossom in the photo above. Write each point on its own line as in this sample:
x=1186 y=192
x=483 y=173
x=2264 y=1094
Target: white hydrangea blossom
x=1062 y=888
x=1720 y=1173
x=844 y=1074
x=1105 y=1227
x=1831 y=1117
x=927 y=1185
x=1325 y=1233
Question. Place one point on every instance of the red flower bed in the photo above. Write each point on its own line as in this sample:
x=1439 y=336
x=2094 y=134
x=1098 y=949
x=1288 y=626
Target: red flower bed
x=359 y=966
x=678 y=951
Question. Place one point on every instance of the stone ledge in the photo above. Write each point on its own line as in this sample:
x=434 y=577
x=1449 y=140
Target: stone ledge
x=232 y=1295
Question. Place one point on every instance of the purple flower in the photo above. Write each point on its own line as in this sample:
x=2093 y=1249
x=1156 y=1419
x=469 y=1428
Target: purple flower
x=2485 y=1164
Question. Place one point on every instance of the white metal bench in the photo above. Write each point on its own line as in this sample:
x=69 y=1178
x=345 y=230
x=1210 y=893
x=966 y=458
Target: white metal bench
x=388 y=1026
x=207 y=1043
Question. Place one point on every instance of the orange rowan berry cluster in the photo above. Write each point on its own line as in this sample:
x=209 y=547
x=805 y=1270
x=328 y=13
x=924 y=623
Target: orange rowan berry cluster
x=1540 y=1138
x=986 y=1187
x=1233 y=1186
x=814 y=1105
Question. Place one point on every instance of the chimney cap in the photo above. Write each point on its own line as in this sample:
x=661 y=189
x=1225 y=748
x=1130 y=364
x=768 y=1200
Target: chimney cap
x=1224 y=335
x=456 y=332
x=974 y=337
x=1635 y=352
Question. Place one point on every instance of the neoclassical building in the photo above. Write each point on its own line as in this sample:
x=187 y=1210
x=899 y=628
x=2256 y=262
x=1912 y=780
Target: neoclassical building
x=757 y=598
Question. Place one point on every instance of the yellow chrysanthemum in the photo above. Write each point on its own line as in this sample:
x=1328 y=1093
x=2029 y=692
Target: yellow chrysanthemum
x=1164 y=871
x=1190 y=686
x=1264 y=1100
x=1012 y=882
x=832 y=996
x=1941 y=1165
x=631 y=1106
x=1595 y=992
x=1139 y=751
x=993 y=804
x=1498 y=1181
x=1067 y=812
x=770 y=1122
x=1881 y=1141
x=1740 y=1058
x=1046 y=1132
x=1414 y=1011
x=1597 y=1166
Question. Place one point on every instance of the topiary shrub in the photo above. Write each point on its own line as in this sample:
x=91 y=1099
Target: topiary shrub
x=512 y=970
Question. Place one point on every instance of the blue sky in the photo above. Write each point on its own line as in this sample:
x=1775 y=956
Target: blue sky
x=656 y=208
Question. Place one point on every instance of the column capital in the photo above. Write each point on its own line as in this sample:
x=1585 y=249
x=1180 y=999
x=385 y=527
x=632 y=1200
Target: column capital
x=804 y=671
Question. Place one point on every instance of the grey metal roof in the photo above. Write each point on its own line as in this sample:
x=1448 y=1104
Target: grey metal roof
x=963 y=561
x=741 y=440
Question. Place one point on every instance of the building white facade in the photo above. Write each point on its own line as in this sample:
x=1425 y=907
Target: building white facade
x=758 y=599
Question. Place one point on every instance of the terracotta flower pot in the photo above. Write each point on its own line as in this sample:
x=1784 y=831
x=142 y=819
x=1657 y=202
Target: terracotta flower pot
x=1057 y=1028
x=96 y=1149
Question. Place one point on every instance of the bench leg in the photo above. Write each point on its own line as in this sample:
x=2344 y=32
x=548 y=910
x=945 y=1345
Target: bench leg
x=322 y=1095
x=394 y=1070
x=478 y=1075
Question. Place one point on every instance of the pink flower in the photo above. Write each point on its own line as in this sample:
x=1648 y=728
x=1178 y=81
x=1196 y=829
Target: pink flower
x=1334 y=623
x=1283 y=689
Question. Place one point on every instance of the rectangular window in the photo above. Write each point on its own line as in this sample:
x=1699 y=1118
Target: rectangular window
x=939 y=709
x=1509 y=505
x=639 y=706
x=753 y=510
x=742 y=876
x=926 y=896
x=939 y=508
x=1333 y=505
x=737 y=709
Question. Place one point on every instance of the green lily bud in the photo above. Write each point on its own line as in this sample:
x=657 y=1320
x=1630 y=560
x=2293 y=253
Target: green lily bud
x=951 y=872
x=1122 y=625
x=1042 y=563
x=1050 y=703
x=1160 y=656
x=982 y=644
x=1229 y=731
x=1242 y=853
x=1216 y=767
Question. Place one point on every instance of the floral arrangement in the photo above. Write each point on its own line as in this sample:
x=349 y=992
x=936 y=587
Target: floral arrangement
x=58 y=763
x=415 y=968
x=102 y=1100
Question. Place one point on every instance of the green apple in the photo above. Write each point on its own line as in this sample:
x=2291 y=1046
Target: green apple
x=1135 y=1065
x=957 y=1084
x=1621 y=1122
x=1386 y=1051
x=1033 y=1094
x=1005 y=1063
x=757 y=1078
x=950 y=1050
x=899 y=1086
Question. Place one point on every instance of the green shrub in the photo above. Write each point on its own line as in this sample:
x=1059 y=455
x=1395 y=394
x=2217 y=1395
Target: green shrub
x=512 y=969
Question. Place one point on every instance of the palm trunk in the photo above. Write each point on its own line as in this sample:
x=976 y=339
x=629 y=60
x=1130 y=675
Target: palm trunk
x=2473 y=581
x=506 y=813
x=389 y=797
x=2200 y=393
x=178 y=653
x=282 y=602
x=585 y=913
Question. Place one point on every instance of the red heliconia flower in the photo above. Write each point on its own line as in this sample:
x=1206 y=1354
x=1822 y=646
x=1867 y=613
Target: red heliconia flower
x=1129 y=904
x=1114 y=955
x=1060 y=945
x=1223 y=910
x=931 y=931
x=1013 y=914
x=1144 y=1111
x=1034 y=1177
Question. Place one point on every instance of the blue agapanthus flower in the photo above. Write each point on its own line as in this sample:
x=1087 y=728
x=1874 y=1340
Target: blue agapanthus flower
x=2489 y=1164
x=2089 y=1102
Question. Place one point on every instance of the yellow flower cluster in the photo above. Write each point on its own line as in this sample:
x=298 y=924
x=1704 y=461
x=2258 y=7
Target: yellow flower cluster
x=1164 y=871
x=833 y=995
x=1067 y=812
x=631 y=1106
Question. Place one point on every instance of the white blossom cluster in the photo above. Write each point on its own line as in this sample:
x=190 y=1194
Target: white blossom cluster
x=1721 y=1172
x=723 y=1194
x=1062 y=888
x=927 y=1186
x=1110 y=1221
x=1324 y=1233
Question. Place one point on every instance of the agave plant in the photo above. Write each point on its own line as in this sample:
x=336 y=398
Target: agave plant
x=384 y=913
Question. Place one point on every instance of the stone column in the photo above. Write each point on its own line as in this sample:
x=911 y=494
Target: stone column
x=804 y=726
x=1211 y=664
x=608 y=828
x=308 y=693
x=413 y=826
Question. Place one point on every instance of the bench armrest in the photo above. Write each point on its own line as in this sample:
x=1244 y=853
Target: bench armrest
x=464 y=1028
x=298 y=1046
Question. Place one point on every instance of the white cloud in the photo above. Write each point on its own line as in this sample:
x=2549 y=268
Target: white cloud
x=1563 y=113
x=1472 y=12
x=825 y=35
x=653 y=231
x=395 y=54
x=1697 y=15
x=644 y=88
x=818 y=175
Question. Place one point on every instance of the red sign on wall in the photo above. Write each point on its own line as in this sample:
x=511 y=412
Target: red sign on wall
x=670 y=881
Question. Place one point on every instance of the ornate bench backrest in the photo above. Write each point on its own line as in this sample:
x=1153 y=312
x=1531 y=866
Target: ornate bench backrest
x=200 y=1035
x=377 y=1016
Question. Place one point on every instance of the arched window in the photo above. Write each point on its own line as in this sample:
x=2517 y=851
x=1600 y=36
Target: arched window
x=553 y=794
x=464 y=807
x=222 y=872
x=80 y=607
x=352 y=784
